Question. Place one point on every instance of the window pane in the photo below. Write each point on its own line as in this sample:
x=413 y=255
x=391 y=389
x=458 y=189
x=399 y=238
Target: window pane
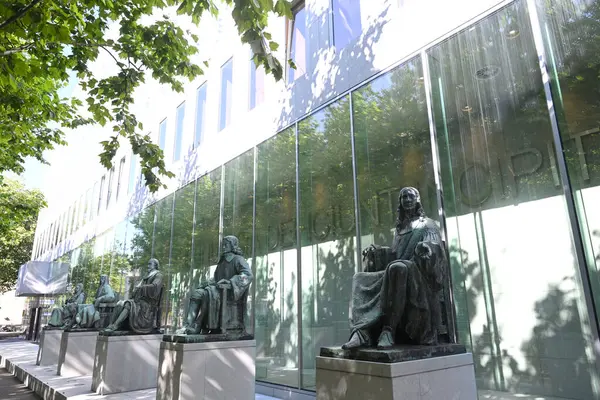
x=226 y=94
x=257 y=85
x=161 y=250
x=206 y=230
x=132 y=174
x=142 y=229
x=120 y=177
x=571 y=39
x=181 y=252
x=346 y=22
x=110 y=185
x=276 y=305
x=178 y=131
x=200 y=109
x=100 y=194
x=328 y=231
x=298 y=46
x=519 y=305
x=162 y=134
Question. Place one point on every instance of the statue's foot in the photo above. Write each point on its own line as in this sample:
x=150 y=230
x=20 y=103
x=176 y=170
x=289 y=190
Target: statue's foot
x=353 y=343
x=110 y=328
x=386 y=339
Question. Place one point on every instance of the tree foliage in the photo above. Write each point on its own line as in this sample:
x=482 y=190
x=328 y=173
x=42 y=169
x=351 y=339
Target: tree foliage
x=19 y=208
x=41 y=42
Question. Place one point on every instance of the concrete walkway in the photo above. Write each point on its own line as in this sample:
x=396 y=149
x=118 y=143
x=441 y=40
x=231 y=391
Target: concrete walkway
x=12 y=388
x=17 y=358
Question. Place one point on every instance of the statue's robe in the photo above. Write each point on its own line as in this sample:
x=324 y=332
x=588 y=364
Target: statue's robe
x=236 y=270
x=88 y=316
x=62 y=315
x=144 y=305
x=412 y=297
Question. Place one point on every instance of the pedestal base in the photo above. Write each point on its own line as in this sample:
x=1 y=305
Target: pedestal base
x=77 y=350
x=210 y=371
x=49 y=347
x=125 y=363
x=445 y=377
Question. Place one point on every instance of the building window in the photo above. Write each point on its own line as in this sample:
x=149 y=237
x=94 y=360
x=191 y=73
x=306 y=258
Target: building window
x=178 y=131
x=200 y=110
x=100 y=194
x=162 y=134
x=346 y=21
x=257 y=85
x=120 y=177
x=226 y=94
x=132 y=168
x=73 y=217
x=111 y=175
x=297 y=43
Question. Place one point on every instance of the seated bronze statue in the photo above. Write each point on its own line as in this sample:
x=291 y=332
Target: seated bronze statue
x=139 y=314
x=233 y=277
x=89 y=316
x=63 y=316
x=396 y=300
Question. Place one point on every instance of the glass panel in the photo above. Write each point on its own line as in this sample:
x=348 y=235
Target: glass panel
x=162 y=134
x=346 y=22
x=257 y=85
x=181 y=252
x=226 y=94
x=298 y=46
x=276 y=280
x=161 y=250
x=571 y=31
x=142 y=229
x=119 y=266
x=206 y=230
x=519 y=306
x=393 y=149
x=179 y=117
x=200 y=109
x=328 y=231
x=111 y=176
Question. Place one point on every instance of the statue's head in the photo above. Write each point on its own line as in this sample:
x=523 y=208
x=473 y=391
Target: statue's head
x=79 y=288
x=103 y=279
x=153 y=264
x=231 y=245
x=409 y=201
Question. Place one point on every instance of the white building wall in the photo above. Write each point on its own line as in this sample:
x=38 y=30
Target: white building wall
x=393 y=30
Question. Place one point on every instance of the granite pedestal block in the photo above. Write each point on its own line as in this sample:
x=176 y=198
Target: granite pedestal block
x=125 y=363
x=209 y=371
x=49 y=347
x=77 y=350
x=439 y=377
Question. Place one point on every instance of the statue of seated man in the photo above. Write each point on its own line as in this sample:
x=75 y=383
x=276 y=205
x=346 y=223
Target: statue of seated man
x=138 y=314
x=89 y=315
x=396 y=299
x=233 y=273
x=63 y=316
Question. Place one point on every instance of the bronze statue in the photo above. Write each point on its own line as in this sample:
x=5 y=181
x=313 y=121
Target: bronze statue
x=139 y=314
x=63 y=316
x=396 y=299
x=88 y=316
x=233 y=276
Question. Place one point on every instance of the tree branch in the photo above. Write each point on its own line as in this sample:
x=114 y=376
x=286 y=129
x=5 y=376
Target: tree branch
x=16 y=50
x=19 y=14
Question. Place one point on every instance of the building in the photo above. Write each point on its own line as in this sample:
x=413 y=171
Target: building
x=490 y=108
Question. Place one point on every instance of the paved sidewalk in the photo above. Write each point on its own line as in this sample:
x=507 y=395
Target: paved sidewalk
x=12 y=388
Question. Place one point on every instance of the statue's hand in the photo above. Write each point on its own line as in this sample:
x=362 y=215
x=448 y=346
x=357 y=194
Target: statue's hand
x=423 y=250
x=224 y=283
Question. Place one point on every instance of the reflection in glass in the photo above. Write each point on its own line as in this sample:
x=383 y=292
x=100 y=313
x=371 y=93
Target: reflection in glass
x=393 y=149
x=181 y=252
x=571 y=34
x=346 y=21
x=276 y=281
x=161 y=250
x=518 y=298
x=327 y=229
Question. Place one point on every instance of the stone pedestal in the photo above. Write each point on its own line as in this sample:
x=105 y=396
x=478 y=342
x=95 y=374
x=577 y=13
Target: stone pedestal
x=49 y=346
x=125 y=363
x=440 y=377
x=210 y=370
x=77 y=350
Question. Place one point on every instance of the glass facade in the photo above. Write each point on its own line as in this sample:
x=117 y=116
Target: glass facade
x=506 y=162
